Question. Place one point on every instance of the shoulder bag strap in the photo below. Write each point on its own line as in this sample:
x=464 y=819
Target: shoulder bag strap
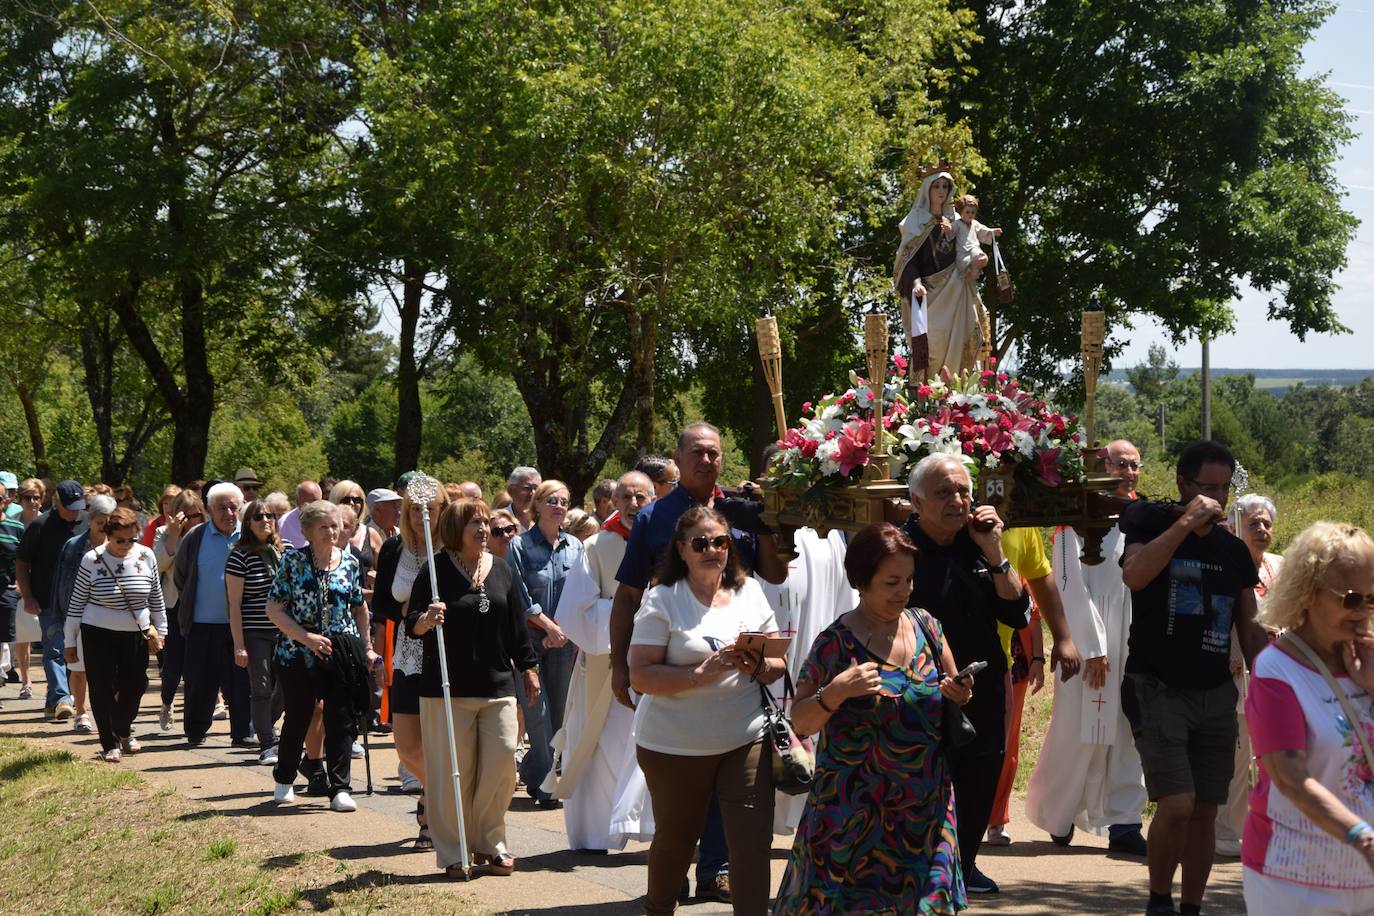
x=936 y=650
x=1351 y=715
x=128 y=605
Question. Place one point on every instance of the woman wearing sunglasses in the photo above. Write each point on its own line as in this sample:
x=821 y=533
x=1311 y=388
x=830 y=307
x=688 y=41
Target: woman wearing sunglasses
x=1309 y=846
x=541 y=558
x=116 y=604
x=504 y=528
x=398 y=566
x=700 y=725
x=248 y=574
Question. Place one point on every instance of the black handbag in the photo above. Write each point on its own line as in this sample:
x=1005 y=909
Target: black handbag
x=955 y=728
x=794 y=757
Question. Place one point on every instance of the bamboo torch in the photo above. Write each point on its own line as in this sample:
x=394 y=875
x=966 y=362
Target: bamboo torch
x=1094 y=333
x=875 y=347
x=770 y=355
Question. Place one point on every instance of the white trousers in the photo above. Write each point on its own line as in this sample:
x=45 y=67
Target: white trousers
x=1266 y=896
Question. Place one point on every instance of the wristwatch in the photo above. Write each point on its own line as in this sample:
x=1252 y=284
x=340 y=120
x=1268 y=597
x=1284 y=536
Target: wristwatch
x=1002 y=568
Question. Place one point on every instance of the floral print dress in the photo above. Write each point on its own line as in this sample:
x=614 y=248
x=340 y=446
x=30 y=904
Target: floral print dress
x=878 y=832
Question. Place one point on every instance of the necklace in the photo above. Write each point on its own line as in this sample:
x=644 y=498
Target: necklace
x=322 y=579
x=483 y=602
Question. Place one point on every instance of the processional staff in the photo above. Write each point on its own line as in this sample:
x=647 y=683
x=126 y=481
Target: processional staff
x=1093 y=335
x=770 y=355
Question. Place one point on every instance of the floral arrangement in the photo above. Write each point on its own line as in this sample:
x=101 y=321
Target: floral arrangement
x=831 y=446
x=984 y=417
x=990 y=421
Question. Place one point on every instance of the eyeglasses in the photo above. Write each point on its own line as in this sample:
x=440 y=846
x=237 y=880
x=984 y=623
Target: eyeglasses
x=528 y=487
x=226 y=507
x=701 y=543
x=121 y=541
x=1208 y=487
x=264 y=516
x=1353 y=600
x=354 y=500
x=503 y=531
x=1127 y=465
x=557 y=501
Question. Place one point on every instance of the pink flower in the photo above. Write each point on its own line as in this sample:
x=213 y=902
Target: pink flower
x=998 y=439
x=924 y=391
x=854 y=443
x=806 y=407
x=1047 y=466
x=899 y=362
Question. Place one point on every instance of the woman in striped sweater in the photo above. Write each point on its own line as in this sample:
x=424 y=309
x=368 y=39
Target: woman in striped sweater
x=248 y=573
x=117 y=608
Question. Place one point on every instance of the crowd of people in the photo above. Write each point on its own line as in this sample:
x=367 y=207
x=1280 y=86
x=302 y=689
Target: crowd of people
x=612 y=661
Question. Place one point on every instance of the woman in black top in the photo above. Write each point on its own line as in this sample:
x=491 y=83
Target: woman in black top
x=486 y=641
x=248 y=574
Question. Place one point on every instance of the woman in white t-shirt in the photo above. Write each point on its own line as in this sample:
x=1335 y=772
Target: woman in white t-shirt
x=1308 y=846
x=699 y=728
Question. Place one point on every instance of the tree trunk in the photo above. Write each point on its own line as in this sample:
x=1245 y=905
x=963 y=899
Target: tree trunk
x=40 y=448
x=409 y=417
x=643 y=338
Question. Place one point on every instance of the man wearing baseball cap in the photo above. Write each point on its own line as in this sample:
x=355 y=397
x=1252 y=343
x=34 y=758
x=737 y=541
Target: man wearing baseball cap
x=9 y=484
x=34 y=566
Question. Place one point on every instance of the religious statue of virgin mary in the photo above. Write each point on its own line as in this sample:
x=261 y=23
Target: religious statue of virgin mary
x=942 y=302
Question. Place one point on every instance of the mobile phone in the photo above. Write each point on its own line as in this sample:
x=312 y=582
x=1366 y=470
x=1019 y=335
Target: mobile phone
x=970 y=670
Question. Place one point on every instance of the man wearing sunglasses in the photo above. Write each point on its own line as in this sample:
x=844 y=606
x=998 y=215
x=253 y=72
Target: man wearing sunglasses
x=1191 y=582
x=698 y=459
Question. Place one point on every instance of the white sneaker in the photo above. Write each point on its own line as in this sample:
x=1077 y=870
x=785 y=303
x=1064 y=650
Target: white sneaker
x=998 y=836
x=285 y=792
x=1228 y=848
x=268 y=756
x=164 y=720
x=221 y=712
x=357 y=751
x=130 y=745
x=343 y=802
x=409 y=784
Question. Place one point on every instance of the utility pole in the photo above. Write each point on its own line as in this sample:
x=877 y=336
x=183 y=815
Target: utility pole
x=1206 y=387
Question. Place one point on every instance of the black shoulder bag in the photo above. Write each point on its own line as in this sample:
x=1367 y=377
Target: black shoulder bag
x=955 y=728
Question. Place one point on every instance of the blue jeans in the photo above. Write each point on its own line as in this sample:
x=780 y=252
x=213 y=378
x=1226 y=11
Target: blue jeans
x=54 y=667
x=713 y=856
x=544 y=717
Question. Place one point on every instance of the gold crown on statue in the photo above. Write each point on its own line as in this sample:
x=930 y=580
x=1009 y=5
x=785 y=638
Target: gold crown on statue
x=928 y=170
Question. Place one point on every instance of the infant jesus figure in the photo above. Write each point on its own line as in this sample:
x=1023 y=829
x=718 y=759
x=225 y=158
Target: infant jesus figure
x=970 y=237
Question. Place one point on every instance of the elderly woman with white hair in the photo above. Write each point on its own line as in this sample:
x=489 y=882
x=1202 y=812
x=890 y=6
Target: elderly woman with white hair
x=1309 y=846
x=324 y=651
x=1252 y=518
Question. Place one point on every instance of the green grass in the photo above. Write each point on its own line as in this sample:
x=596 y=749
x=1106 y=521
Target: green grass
x=83 y=837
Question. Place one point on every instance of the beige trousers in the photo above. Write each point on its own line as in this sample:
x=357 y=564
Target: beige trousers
x=485 y=734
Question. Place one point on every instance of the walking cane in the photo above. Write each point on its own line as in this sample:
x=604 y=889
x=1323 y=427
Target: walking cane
x=421 y=489
x=367 y=760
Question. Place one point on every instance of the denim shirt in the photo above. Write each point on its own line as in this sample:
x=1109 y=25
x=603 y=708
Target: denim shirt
x=541 y=568
x=64 y=577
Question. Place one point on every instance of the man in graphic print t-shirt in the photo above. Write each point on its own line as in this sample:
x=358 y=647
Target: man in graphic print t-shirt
x=1191 y=583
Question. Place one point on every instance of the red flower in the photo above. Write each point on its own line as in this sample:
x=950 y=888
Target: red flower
x=924 y=391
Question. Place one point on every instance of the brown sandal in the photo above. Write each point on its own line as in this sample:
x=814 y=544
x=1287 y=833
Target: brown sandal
x=456 y=872
x=502 y=865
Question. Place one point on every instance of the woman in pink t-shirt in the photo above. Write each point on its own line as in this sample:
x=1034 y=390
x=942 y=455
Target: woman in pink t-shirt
x=1308 y=845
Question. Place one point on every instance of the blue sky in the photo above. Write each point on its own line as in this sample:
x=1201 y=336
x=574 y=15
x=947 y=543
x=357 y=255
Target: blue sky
x=1341 y=51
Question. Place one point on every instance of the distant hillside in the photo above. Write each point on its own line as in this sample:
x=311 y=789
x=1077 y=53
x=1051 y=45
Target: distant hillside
x=1279 y=380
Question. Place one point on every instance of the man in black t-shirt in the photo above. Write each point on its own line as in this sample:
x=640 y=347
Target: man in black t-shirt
x=35 y=566
x=1191 y=582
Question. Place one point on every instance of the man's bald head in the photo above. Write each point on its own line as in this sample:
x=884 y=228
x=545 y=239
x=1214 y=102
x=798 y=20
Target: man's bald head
x=308 y=491
x=633 y=491
x=1123 y=460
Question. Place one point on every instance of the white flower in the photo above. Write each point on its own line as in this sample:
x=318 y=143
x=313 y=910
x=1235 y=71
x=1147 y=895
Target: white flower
x=907 y=431
x=825 y=453
x=831 y=412
x=992 y=461
x=816 y=430
x=1024 y=443
x=982 y=413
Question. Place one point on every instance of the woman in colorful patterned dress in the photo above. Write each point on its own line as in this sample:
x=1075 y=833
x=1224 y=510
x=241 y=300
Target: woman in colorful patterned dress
x=878 y=832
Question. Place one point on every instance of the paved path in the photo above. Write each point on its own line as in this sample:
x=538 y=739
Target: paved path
x=1036 y=877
